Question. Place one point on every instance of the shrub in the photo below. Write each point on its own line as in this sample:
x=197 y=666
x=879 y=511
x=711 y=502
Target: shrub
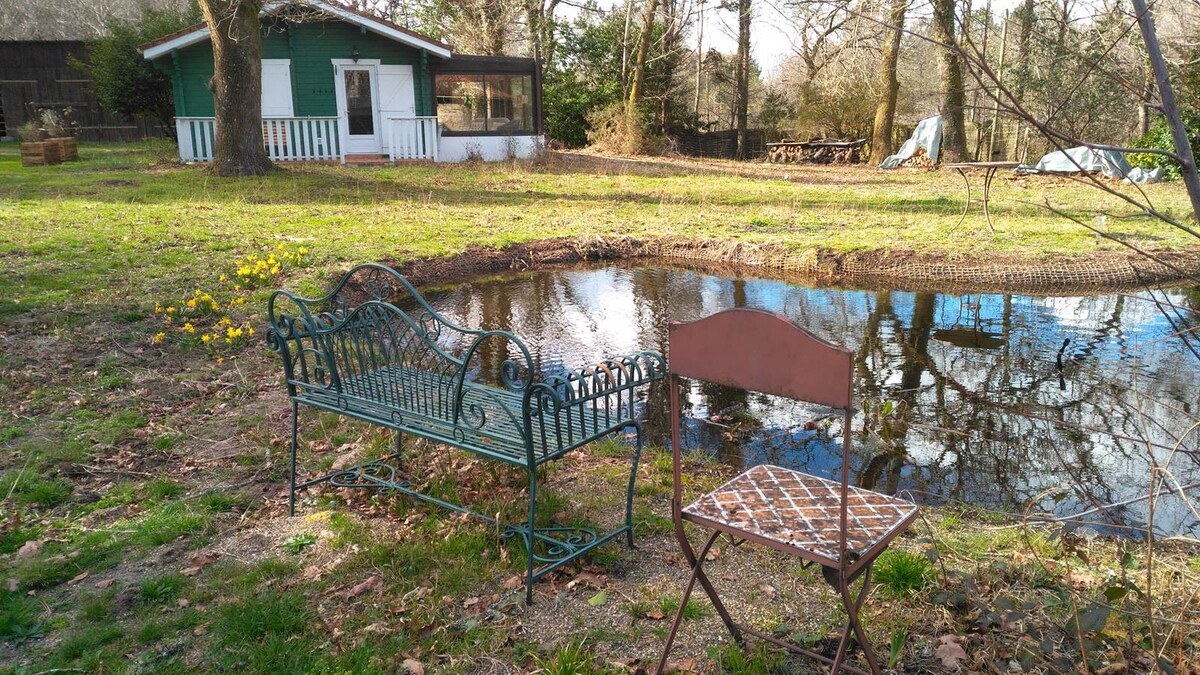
x=612 y=130
x=124 y=82
x=1159 y=138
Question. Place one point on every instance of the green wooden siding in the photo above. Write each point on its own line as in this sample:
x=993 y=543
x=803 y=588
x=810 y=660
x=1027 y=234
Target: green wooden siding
x=310 y=46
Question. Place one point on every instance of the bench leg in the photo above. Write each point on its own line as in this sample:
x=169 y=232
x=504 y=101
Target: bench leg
x=399 y=449
x=637 y=454
x=530 y=535
x=292 y=470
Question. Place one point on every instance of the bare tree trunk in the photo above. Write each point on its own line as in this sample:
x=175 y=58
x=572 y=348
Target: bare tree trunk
x=1024 y=41
x=1170 y=109
x=1147 y=99
x=954 y=134
x=699 y=56
x=237 y=87
x=743 y=78
x=889 y=85
x=642 y=54
x=625 y=47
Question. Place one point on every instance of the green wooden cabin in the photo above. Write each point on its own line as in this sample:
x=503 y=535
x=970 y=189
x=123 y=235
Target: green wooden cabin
x=339 y=84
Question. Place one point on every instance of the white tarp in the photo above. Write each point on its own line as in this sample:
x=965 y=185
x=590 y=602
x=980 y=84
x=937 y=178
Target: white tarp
x=928 y=135
x=1111 y=163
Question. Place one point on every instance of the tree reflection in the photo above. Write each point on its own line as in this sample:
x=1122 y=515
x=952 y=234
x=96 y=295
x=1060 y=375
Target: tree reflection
x=980 y=410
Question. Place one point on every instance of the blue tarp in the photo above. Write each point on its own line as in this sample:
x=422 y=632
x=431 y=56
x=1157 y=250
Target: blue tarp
x=1111 y=163
x=928 y=135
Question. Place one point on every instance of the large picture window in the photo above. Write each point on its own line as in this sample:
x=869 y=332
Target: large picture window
x=481 y=103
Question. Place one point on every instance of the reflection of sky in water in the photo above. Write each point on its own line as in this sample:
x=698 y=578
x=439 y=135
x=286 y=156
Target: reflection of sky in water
x=953 y=363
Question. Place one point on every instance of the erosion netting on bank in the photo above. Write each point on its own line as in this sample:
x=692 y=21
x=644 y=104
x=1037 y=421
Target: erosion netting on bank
x=894 y=269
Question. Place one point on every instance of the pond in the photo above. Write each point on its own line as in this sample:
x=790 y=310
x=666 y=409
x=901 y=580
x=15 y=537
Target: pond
x=994 y=399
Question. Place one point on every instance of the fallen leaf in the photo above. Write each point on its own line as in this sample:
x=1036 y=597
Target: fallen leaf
x=199 y=630
x=514 y=582
x=470 y=602
x=656 y=614
x=372 y=582
x=687 y=665
x=106 y=583
x=950 y=651
x=29 y=548
x=414 y=666
x=183 y=602
x=190 y=571
x=204 y=559
x=768 y=590
x=78 y=578
x=598 y=599
x=714 y=553
x=596 y=581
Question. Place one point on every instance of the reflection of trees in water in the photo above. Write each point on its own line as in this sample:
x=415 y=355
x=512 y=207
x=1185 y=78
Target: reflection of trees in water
x=958 y=431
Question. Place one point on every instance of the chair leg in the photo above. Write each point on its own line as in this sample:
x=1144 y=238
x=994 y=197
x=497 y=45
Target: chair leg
x=695 y=562
x=853 y=606
x=637 y=454
x=292 y=471
x=687 y=593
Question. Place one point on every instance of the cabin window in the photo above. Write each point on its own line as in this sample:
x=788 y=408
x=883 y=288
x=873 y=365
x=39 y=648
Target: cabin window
x=478 y=103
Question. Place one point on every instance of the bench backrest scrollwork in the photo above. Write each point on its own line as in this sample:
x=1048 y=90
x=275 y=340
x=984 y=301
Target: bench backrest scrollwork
x=338 y=343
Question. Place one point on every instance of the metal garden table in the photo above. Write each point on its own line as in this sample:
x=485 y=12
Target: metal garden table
x=989 y=173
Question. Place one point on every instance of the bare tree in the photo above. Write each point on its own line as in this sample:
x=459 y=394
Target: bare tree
x=954 y=135
x=237 y=86
x=743 y=77
x=889 y=84
x=640 y=57
x=71 y=19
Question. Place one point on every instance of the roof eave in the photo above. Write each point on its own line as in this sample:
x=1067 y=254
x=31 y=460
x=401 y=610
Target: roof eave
x=152 y=51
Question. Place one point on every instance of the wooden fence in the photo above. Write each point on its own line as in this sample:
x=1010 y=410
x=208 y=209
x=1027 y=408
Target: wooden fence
x=37 y=74
x=721 y=144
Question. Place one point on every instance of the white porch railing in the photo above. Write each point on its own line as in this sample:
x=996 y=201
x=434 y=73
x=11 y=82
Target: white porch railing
x=285 y=138
x=412 y=138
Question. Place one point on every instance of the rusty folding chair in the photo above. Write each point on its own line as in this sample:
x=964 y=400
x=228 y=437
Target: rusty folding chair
x=830 y=523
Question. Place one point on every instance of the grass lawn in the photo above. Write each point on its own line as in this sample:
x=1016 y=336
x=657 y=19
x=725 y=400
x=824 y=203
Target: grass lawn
x=142 y=523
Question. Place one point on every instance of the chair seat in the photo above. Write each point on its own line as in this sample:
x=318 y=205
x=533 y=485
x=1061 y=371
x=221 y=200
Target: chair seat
x=793 y=510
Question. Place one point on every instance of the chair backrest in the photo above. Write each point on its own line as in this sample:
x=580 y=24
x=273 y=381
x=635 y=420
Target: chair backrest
x=761 y=351
x=765 y=352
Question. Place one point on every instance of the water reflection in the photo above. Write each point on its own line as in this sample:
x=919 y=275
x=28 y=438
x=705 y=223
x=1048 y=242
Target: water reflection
x=1089 y=374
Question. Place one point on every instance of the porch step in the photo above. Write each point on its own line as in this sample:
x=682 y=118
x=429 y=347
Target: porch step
x=366 y=159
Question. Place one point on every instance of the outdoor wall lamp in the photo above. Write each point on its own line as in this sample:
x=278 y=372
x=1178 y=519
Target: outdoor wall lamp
x=354 y=54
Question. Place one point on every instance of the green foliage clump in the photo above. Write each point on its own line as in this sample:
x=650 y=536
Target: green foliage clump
x=1159 y=138
x=124 y=82
x=901 y=573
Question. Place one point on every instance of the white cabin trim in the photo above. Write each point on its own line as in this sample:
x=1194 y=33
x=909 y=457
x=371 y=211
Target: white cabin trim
x=203 y=33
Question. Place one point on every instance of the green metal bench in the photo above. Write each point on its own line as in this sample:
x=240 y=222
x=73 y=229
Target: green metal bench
x=373 y=349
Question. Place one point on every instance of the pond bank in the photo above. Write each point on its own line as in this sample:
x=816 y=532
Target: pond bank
x=894 y=269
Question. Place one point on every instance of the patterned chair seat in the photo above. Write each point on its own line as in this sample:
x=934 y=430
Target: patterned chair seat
x=801 y=511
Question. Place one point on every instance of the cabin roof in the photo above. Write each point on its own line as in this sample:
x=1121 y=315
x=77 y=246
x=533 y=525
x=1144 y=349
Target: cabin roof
x=200 y=32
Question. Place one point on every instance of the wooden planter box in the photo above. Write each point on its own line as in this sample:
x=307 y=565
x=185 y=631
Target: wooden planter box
x=68 y=148
x=40 y=153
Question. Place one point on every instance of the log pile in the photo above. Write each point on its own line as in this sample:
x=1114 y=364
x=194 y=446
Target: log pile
x=816 y=151
x=919 y=160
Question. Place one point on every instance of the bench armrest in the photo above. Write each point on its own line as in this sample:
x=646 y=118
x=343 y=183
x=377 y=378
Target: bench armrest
x=569 y=410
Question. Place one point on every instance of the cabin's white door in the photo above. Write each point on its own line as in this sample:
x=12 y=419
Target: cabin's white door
x=357 y=92
x=396 y=99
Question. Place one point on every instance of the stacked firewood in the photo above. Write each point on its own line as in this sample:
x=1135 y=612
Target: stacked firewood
x=919 y=160
x=817 y=151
